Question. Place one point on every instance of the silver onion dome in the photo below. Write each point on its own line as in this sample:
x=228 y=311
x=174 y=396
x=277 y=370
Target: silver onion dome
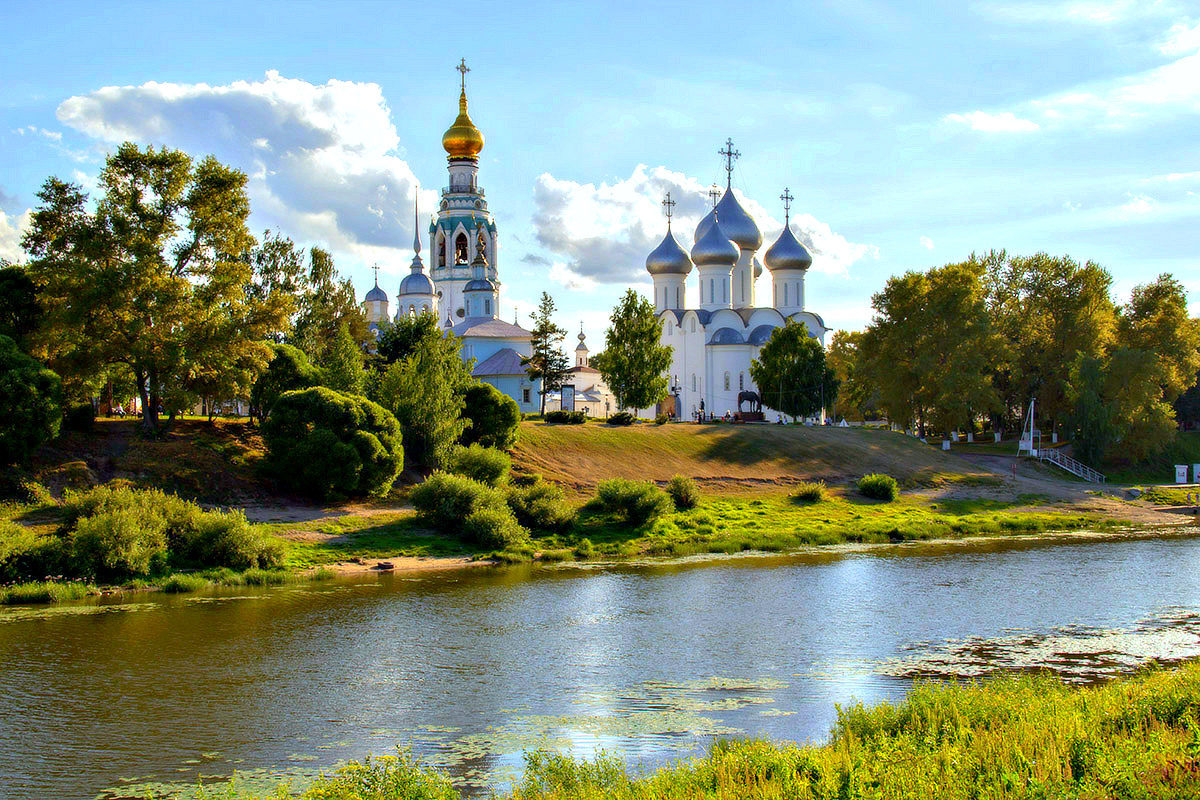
x=376 y=294
x=479 y=285
x=416 y=283
x=735 y=222
x=668 y=258
x=714 y=249
x=787 y=253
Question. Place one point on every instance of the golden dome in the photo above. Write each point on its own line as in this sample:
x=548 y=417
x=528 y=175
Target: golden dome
x=463 y=139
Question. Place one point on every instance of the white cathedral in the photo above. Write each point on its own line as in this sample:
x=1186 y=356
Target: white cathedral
x=713 y=345
x=465 y=285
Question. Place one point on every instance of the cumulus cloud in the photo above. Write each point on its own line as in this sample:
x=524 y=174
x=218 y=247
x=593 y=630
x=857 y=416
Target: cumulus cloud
x=1139 y=205
x=993 y=122
x=604 y=232
x=926 y=242
x=321 y=158
x=33 y=130
x=12 y=228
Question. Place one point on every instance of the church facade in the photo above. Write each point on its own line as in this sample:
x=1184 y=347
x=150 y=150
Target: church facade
x=713 y=344
x=462 y=287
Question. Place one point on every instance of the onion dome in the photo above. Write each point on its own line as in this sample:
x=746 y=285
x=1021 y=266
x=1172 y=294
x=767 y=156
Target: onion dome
x=668 y=258
x=726 y=336
x=787 y=253
x=416 y=283
x=376 y=294
x=758 y=268
x=713 y=249
x=463 y=139
x=581 y=337
x=735 y=222
x=479 y=285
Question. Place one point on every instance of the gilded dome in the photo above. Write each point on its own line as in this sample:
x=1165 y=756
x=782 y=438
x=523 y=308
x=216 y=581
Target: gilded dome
x=735 y=222
x=713 y=249
x=668 y=258
x=787 y=253
x=462 y=139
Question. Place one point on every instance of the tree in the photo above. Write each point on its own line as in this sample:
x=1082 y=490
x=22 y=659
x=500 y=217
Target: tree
x=31 y=397
x=328 y=444
x=20 y=311
x=493 y=418
x=1187 y=407
x=1156 y=321
x=1091 y=421
x=156 y=278
x=399 y=339
x=343 y=364
x=425 y=392
x=288 y=371
x=856 y=397
x=548 y=363
x=634 y=364
x=791 y=373
x=1143 y=422
x=326 y=304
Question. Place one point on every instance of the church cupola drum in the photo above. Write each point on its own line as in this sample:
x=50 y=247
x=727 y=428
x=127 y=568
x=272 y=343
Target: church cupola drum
x=463 y=229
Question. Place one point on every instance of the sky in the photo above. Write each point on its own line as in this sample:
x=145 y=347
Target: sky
x=910 y=134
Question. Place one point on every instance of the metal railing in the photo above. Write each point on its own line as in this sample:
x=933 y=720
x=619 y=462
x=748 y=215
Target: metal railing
x=1072 y=466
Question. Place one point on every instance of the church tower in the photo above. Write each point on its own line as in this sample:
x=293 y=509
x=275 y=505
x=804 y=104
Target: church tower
x=462 y=237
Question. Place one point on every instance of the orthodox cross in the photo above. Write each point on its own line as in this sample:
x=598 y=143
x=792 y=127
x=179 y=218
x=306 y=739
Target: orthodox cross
x=731 y=155
x=787 y=199
x=669 y=207
x=714 y=194
x=376 y=268
x=464 y=69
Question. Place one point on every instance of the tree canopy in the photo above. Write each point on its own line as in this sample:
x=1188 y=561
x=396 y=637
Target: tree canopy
x=547 y=363
x=791 y=373
x=31 y=397
x=634 y=363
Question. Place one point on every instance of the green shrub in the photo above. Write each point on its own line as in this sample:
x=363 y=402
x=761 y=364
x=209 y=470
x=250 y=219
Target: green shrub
x=621 y=418
x=878 y=487
x=637 y=501
x=584 y=549
x=683 y=492
x=227 y=539
x=397 y=777
x=524 y=479
x=288 y=370
x=25 y=555
x=541 y=506
x=493 y=528
x=444 y=500
x=120 y=544
x=480 y=463
x=811 y=492
x=264 y=577
x=327 y=444
x=182 y=582
x=31 y=399
x=661 y=419
x=494 y=417
x=566 y=417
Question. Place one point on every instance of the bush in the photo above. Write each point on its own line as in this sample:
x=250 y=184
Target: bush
x=226 y=538
x=541 y=506
x=683 y=492
x=25 y=555
x=494 y=417
x=180 y=583
x=661 y=419
x=621 y=418
x=493 y=528
x=444 y=501
x=327 y=444
x=811 y=492
x=483 y=464
x=120 y=544
x=637 y=501
x=80 y=417
x=31 y=397
x=878 y=487
x=288 y=370
x=566 y=417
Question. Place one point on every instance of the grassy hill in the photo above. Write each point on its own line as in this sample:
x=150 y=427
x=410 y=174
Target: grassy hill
x=733 y=456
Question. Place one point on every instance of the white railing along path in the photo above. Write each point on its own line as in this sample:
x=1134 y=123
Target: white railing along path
x=1070 y=465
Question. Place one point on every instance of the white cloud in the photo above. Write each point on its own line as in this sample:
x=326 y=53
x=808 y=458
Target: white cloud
x=604 y=232
x=33 y=130
x=562 y=274
x=993 y=122
x=321 y=158
x=926 y=242
x=1139 y=205
x=11 y=230
x=1181 y=40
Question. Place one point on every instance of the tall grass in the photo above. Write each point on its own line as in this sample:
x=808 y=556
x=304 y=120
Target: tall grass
x=1019 y=737
x=45 y=592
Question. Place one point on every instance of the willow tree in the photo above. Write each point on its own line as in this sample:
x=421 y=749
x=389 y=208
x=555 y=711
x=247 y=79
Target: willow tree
x=157 y=277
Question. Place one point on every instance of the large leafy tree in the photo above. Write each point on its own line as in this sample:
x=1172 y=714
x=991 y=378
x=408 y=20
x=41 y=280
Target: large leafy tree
x=157 y=278
x=401 y=338
x=547 y=363
x=493 y=418
x=634 y=363
x=1156 y=320
x=326 y=303
x=343 y=364
x=791 y=373
x=1091 y=421
x=31 y=397
x=20 y=311
x=425 y=392
x=855 y=396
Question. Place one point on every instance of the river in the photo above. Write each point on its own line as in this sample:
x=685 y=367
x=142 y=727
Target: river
x=470 y=668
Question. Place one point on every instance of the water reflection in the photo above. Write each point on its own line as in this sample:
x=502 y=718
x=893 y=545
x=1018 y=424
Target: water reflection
x=471 y=668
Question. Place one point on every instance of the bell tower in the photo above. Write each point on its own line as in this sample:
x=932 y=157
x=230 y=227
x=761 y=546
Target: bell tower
x=463 y=232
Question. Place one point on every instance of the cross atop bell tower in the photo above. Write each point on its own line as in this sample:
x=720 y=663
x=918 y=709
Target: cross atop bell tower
x=787 y=199
x=731 y=155
x=463 y=70
x=668 y=208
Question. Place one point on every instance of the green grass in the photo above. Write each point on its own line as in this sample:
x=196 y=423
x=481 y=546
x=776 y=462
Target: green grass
x=1170 y=496
x=1185 y=449
x=45 y=592
x=183 y=582
x=1008 y=739
x=387 y=534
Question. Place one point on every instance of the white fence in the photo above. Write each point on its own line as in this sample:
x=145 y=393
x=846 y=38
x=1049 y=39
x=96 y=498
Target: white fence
x=1070 y=465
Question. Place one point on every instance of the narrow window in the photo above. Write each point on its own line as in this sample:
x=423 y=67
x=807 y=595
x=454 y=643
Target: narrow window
x=712 y=290
x=693 y=381
x=727 y=381
x=785 y=294
x=525 y=395
x=741 y=381
x=487 y=308
x=677 y=305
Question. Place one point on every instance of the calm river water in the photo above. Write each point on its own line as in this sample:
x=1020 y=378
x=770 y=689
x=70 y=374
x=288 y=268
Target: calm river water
x=471 y=668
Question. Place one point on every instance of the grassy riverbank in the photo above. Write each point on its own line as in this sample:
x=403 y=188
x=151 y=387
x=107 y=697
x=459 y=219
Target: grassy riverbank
x=1018 y=737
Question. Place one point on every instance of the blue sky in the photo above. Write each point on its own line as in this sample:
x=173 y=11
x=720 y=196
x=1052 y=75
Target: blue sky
x=909 y=138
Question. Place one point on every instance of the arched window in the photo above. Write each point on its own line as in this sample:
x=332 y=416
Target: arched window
x=693 y=324
x=460 y=249
x=487 y=307
x=727 y=381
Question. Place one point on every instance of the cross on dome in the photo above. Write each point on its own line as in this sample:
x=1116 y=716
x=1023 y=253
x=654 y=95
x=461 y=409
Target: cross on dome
x=731 y=155
x=714 y=194
x=463 y=70
x=669 y=208
x=787 y=199
x=376 y=268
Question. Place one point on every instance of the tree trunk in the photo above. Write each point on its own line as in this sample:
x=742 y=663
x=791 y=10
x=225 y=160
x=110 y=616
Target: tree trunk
x=144 y=396
x=150 y=418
